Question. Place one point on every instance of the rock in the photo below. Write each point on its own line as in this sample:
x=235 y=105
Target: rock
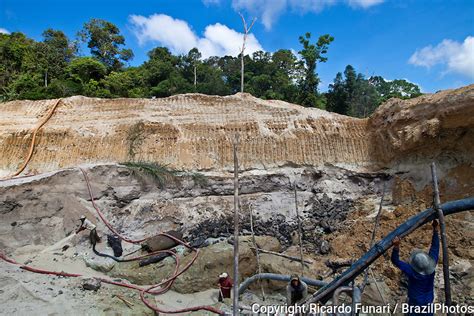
x=461 y=268
x=324 y=249
x=371 y=295
x=387 y=215
x=100 y=264
x=91 y=284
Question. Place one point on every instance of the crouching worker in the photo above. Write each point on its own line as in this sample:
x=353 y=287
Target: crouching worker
x=87 y=225
x=296 y=290
x=420 y=271
x=225 y=286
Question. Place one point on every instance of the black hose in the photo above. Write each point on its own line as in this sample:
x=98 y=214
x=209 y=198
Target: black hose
x=414 y=222
x=111 y=257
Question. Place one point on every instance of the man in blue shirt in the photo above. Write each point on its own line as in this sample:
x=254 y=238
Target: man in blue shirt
x=420 y=271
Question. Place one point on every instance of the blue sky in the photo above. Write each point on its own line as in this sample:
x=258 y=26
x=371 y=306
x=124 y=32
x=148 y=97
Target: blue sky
x=429 y=42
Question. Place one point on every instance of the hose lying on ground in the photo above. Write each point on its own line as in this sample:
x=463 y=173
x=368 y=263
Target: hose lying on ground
x=277 y=277
x=155 y=289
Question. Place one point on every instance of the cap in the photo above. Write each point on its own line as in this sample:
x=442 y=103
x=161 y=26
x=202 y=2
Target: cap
x=223 y=275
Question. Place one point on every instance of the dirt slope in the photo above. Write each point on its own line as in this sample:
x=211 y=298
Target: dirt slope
x=196 y=131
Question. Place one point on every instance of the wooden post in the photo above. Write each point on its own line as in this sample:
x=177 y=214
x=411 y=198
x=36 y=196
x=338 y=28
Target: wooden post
x=235 y=309
x=257 y=253
x=242 y=51
x=300 y=233
x=442 y=226
x=283 y=255
x=374 y=232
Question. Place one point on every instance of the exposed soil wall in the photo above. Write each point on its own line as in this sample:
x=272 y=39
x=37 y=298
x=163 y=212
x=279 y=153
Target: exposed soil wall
x=196 y=132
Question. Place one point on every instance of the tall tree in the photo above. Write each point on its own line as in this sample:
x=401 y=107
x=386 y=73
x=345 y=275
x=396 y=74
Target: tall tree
x=54 y=53
x=106 y=43
x=312 y=54
x=353 y=95
x=192 y=60
x=337 y=100
x=399 y=88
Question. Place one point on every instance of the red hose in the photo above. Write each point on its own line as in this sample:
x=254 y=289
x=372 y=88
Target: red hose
x=164 y=285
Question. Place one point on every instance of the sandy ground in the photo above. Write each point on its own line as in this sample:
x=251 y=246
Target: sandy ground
x=23 y=292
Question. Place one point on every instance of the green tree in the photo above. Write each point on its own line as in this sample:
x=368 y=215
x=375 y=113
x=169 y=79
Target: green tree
x=128 y=83
x=105 y=42
x=84 y=69
x=16 y=58
x=399 y=88
x=53 y=54
x=312 y=54
x=193 y=61
x=337 y=100
x=352 y=95
x=230 y=67
x=211 y=78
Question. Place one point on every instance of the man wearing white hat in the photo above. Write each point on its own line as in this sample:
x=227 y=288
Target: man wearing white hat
x=420 y=271
x=225 y=286
x=87 y=225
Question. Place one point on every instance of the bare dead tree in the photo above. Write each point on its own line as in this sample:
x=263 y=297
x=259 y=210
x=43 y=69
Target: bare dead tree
x=242 y=51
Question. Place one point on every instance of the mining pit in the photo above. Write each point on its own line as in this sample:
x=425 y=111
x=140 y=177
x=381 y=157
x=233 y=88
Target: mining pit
x=338 y=166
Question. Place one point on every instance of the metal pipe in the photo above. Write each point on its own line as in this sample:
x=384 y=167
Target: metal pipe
x=356 y=299
x=277 y=277
x=383 y=245
x=355 y=293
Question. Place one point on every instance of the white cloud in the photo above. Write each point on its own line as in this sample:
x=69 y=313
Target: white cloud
x=364 y=3
x=457 y=57
x=268 y=11
x=177 y=35
x=4 y=31
x=209 y=2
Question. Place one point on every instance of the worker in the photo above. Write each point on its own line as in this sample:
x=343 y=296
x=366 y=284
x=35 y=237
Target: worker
x=87 y=225
x=420 y=271
x=225 y=286
x=296 y=290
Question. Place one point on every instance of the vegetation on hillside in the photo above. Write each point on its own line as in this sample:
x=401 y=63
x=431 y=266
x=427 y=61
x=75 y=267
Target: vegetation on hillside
x=53 y=68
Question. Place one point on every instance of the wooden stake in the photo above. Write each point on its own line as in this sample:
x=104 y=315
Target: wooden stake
x=300 y=233
x=442 y=226
x=257 y=253
x=374 y=231
x=283 y=255
x=128 y=303
x=235 y=309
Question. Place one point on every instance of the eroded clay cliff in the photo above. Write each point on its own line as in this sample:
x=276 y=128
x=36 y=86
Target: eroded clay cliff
x=196 y=132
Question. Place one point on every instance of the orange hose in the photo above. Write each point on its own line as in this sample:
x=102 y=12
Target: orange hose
x=33 y=139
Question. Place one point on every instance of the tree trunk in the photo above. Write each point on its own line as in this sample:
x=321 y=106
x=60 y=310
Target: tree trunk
x=242 y=68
